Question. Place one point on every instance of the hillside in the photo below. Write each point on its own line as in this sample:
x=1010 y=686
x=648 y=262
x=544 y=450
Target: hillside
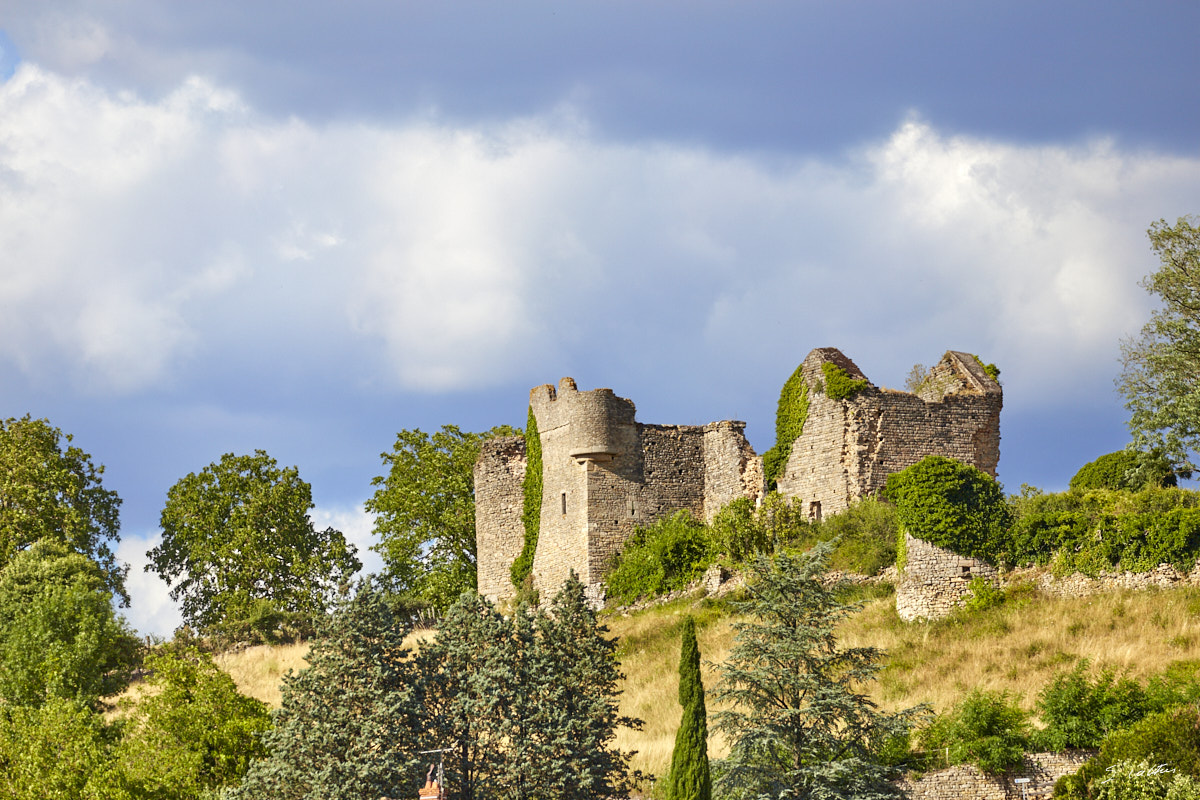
x=1017 y=647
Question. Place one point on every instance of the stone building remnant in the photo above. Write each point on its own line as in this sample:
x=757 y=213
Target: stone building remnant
x=849 y=447
x=604 y=473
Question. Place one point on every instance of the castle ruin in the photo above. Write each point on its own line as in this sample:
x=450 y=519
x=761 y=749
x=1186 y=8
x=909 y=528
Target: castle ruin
x=604 y=473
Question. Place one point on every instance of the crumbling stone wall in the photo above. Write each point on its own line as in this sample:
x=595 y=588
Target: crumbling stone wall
x=967 y=782
x=499 y=501
x=604 y=474
x=935 y=581
x=849 y=447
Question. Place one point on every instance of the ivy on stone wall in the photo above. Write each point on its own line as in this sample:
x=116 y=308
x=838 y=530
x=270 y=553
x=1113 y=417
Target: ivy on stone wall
x=838 y=383
x=789 y=424
x=952 y=505
x=992 y=370
x=531 y=513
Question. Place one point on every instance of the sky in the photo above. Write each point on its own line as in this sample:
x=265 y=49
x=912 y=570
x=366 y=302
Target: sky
x=302 y=227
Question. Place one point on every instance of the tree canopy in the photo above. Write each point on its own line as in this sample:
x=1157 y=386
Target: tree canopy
x=796 y=718
x=49 y=489
x=238 y=545
x=689 y=778
x=1160 y=375
x=59 y=635
x=425 y=512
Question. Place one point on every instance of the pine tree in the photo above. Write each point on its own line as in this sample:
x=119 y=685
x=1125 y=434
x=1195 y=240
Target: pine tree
x=689 y=777
x=797 y=722
x=350 y=724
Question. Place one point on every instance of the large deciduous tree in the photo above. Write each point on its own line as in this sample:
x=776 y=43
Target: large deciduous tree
x=238 y=545
x=49 y=489
x=425 y=512
x=797 y=721
x=1160 y=374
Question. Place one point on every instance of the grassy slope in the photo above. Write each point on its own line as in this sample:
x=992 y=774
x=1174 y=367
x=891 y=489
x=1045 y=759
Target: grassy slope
x=1017 y=648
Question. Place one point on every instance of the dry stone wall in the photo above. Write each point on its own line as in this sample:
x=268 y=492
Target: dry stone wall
x=849 y=447
x=967 y=782
x=935 y=581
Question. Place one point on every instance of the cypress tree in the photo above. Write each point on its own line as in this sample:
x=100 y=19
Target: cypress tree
x=689 y=777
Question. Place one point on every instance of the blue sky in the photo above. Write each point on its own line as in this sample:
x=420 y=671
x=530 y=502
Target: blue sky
x=305 y=226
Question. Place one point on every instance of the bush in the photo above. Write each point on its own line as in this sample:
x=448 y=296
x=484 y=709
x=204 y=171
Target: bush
x=987 y=729
x=1124 y=469
x=838 y=383
x=951 y=505
x=665 y=556
x=1167 y=737
x=738 y=533
x=1079 y=712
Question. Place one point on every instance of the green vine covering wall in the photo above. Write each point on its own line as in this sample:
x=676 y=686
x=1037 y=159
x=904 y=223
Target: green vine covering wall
x=531 y=513
x=992 y=370
x=838 y=383
x=789 y=424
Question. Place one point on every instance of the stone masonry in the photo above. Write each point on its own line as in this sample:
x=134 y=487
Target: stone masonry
x=604 y=473
x=849 y=447
x=935 y=581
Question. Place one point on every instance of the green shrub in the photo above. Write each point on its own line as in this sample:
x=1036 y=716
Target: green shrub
x=1143 y=780
x=866 y=534
x=665 y=556
x=838 y=383
x=1080 y=712
x=984 y=595
x=992 y=370
x=738 y=533
x=1167 y=737
x=1124 y=469
x=790 y=414
x=987 y=729
x=1177 y=685
x=952 y=505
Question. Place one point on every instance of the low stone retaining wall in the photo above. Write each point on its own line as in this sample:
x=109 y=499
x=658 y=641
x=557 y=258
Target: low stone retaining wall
x=967 y=782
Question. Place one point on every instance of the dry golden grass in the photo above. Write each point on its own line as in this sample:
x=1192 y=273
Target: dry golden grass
x=258 y=670
x=1018 y=648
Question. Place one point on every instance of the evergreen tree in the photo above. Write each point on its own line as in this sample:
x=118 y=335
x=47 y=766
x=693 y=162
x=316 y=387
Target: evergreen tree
x=530 y=700
x=350 y=724
x=689 y=777
x=798 y=724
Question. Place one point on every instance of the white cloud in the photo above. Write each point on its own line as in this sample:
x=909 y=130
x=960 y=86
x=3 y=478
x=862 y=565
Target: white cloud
x=151 y=610
x=357 y=525
x=141 y=235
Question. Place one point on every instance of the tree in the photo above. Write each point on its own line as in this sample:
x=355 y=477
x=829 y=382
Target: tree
x=987 y=729
x=59 y=750
x=425 y=512
x=193 y=733
x=237 y=539
x=59 y=635
x=689 y=778
x=796 y=720
x=351 y=723
x=48 y=491
x=530 y=700
x=1160 y=369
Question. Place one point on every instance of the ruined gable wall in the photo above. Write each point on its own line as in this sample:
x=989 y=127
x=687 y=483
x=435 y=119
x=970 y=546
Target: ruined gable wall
x=849 y=447
x=499 y=501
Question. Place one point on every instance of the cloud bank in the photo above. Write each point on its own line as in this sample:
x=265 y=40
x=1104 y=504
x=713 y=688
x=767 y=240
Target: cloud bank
x=147 y=239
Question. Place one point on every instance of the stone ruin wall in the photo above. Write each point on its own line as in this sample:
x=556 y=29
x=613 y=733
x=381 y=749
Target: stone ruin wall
x=604 y=474
x=967 y=782
x=499 y=502
x=935 y=581
x=849 y=447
